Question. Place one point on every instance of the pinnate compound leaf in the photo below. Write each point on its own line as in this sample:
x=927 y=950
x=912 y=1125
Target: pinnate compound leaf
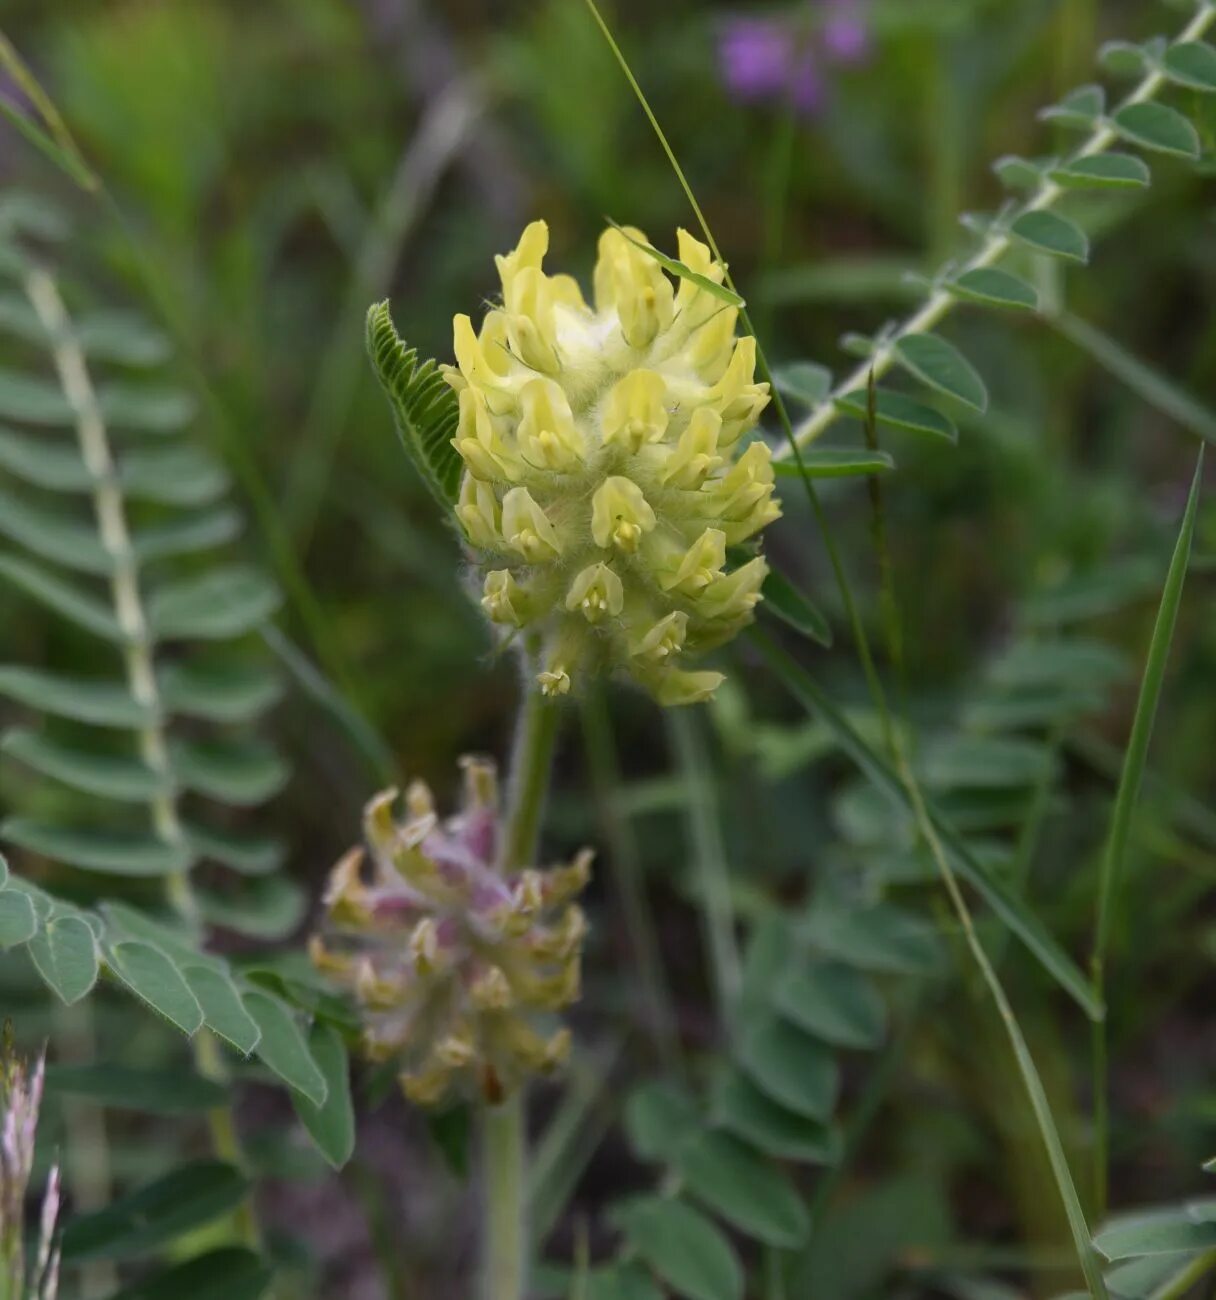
x=147 y=1219
x=942 y=366
x=65 y=954
x=331 y=1125
x=424 y=406
x=683 y=1247
x=152 y=977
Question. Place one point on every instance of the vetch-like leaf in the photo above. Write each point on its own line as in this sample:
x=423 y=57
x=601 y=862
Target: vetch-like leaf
x=18 y=921
x=1191 y=63
x=804 y=382
x=993 y=287
x=331 y=1125
x=942 y=366
x=898 y=412
x=65 y=953
x=217 y=605
x=683 y=1247
x=230 y=1273
x=153 y=1092
x=424 y=407
x=745 y=1189
x=740 y=1107
x=223 y=1010
x=150 y=975
x=659 y=1118
x=226 y=694
x=789 y=1066
x=145 y=1220
x=1048 y=232
x=64 y=598
x=125 y=780
x=787 y=603
x=835 y=462
x=282 y=1046
x=1008 y=906
x=834 y=1002
x=237 y=773
x=97 y=702
x=1156 y=126
x=104 y=850
x=1103 y=171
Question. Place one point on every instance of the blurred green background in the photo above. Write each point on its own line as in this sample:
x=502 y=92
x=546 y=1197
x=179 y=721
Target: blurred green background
x=279 y=165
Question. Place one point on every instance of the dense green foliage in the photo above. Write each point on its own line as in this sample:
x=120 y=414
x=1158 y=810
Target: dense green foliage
x=898 y=974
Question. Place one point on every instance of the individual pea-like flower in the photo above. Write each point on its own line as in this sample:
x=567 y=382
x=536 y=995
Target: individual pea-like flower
x=606 y=477
x=20 y=1103
x=456 y=966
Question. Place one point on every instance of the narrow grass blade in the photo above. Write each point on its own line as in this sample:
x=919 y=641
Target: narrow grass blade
x=1130 y=781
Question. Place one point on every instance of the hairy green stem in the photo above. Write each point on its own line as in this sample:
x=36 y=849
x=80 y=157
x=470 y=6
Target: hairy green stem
x=628 y=880
x=115 y=534
x=503 y=1125
x=504 y=1159
x=994 y=247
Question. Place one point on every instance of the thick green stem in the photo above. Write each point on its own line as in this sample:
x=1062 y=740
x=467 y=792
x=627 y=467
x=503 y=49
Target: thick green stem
x=504 y=1135
x=504 y=1156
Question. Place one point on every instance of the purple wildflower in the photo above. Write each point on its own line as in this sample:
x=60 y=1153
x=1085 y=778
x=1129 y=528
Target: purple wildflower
x=770 y=60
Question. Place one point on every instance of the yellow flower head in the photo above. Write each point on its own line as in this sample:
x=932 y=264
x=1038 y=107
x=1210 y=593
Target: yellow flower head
x=604 y=481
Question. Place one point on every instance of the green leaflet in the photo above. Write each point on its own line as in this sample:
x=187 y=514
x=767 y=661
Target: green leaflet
x=424 y=406
x=146 y=1220
x=683 y=1247
x=332 y=1123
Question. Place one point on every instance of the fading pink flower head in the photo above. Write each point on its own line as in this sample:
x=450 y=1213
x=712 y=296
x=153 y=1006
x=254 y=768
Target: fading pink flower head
x=452 y=961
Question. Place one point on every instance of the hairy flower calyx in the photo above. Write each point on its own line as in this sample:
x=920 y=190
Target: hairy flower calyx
x=605 y=472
